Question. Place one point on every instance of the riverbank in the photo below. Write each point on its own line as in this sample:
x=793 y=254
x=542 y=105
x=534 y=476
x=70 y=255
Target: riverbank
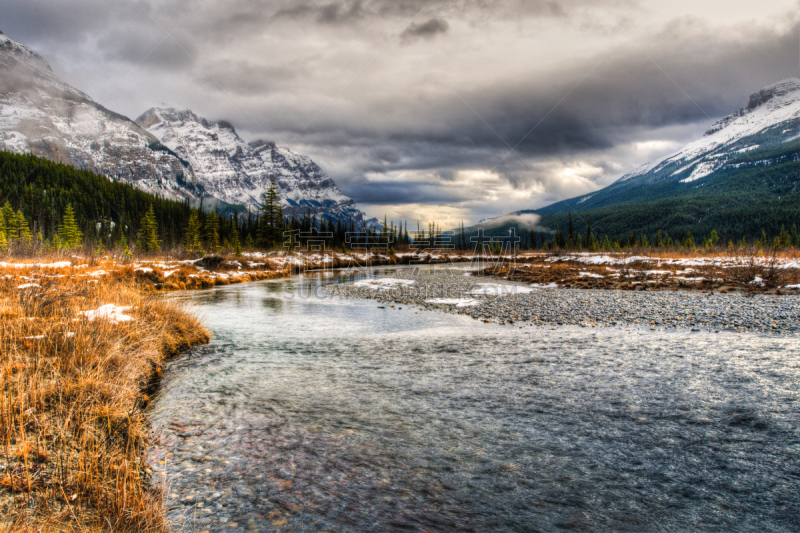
x=80 y=355
x=504 y=302
x=166 y=273
x=749 y=273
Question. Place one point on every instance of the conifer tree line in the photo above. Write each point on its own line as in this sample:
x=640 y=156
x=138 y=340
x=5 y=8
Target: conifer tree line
x=53 y=206
x=589 y=240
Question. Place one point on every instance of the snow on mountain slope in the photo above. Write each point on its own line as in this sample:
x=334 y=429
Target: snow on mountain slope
x=236 y=172
x=773 y=105
x=43 y=115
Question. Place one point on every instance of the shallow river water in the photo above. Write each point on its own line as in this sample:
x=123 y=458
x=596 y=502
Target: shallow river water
x=322 y=414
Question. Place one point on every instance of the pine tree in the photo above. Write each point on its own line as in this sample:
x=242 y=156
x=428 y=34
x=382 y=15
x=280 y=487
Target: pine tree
x=147 y=239
x=688 y=241
x=211 y=232
x=570 y=232
x=588 y=232
x=8 y=215
x=271 y=224
x=795 y=237
x=236 y=242
x=69 y=235
x=606 y=244
x=593 y=244
x=762 y=242
x=248 y=242
x=192 y=239
x=659 y=242
x=3 y=237
x=785 y=238
x=714 y=238
x=23 y=235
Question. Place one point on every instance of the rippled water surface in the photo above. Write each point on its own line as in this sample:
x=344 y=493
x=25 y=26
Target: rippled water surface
x=309 y=414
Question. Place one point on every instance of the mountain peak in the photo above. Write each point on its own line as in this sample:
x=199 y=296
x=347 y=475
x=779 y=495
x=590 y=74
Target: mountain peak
x=769 y=99
x=775 y=90
x=24 y=55
x=260 y=142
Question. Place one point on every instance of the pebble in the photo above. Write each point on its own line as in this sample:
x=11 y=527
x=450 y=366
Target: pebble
x=658 y=310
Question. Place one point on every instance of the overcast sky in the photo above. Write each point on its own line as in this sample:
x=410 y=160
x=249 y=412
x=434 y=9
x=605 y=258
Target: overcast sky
x=431 y=109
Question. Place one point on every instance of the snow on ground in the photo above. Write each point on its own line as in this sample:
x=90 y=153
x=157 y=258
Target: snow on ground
x=59 y=264
x=722 y=262
x=458 y=302
x=548 y=286
x=591 y=275
x=28 y=285
x=109 y=312
x=494 y=289
x=383 y=284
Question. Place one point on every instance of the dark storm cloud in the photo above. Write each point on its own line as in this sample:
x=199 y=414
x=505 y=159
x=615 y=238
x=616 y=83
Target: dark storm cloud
x=671 y=82
x=402 y=192
x=327 y=13
x=428 y=29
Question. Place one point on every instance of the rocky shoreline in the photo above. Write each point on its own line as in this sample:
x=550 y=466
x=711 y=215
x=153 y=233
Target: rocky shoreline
x=503 y=302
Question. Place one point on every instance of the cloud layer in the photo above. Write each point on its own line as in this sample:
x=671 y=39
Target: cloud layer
x=430 y=108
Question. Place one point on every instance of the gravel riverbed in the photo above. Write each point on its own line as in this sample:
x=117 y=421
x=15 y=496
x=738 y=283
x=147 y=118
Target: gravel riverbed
x=502 y=302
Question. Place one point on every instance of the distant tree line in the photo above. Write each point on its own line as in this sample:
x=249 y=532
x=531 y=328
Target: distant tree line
x=591 y=241
x=49 y=206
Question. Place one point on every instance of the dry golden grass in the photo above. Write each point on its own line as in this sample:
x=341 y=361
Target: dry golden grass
x=720 y=270
x=74 y=392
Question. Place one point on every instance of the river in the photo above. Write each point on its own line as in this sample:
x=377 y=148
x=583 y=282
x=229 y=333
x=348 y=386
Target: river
x=308 y=413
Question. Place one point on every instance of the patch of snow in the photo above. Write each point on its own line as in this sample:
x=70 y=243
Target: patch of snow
x=109 y=312
x=458 y=302
x=701 y=171
x=28 y=285
x=383 y=284
x=59 y=264
x=494 y=289
x=747 y=149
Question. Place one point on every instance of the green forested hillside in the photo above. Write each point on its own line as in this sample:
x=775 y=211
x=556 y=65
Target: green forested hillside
x=737 y=203
x=106 y=212
x=754 y=193
x=52 y=206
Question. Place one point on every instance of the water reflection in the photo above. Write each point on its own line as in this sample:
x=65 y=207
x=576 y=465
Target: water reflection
x=308 y=414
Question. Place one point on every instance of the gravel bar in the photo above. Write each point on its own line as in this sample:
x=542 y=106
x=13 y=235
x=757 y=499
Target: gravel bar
x=502 y=302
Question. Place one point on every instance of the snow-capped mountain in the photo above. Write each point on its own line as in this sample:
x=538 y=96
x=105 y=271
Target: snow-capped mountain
x=237 y=172
x=43 y=115
x=181 y=156
x=774 y=107
x=761 y=135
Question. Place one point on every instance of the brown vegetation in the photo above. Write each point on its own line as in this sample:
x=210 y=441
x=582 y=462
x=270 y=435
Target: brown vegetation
x=74 y=393
x=749 y=271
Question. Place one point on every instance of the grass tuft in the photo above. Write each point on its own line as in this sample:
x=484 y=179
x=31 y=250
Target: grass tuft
x=73 y=421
